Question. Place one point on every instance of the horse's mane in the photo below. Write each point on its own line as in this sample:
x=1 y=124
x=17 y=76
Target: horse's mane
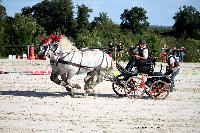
x=66 y=43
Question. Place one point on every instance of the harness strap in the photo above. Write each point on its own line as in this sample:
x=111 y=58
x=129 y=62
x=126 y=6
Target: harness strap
x=53 y=50
x=67 y=55
x=80 y=63
x=73 y=64
x=107 y=62
x=101 y=60
x=60 y=60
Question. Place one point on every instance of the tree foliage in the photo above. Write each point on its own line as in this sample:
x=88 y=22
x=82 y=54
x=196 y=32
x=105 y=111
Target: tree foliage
x=20 y=31
x=134 y=19
x=83 y=18
x=102 y=19
x=26 y=29
x=187 y=22
x=53 y=15
x=102 y=31
x=2 y=23
x=2 y=13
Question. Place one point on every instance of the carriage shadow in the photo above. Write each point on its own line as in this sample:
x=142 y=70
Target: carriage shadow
x=51 y=94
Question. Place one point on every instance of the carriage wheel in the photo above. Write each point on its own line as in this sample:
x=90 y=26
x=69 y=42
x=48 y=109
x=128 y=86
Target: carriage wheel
x=159 y=89
x=132 y=88
x=118 y=85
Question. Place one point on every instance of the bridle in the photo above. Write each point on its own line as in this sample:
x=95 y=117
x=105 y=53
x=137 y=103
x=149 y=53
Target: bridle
x=53 y=49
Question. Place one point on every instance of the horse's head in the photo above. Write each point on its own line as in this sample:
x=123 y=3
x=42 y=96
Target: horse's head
x=43 y=47
x=53 y=49
x=48 y=48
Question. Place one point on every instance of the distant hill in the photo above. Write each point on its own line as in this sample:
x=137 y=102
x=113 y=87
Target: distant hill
x=160 y=27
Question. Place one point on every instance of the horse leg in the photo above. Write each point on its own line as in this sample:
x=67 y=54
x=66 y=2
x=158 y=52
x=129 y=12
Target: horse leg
x=68 y=80
x=64 y=82
x=91 y=80
x=87 y=81
x=96 y=78
x=100 y=76
x=54 y=77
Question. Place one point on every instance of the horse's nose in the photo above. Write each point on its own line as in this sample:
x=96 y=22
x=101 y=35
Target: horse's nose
x=40 y=54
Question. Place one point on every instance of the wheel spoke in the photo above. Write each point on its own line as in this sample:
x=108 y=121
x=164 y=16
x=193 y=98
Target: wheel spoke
x=159 y=89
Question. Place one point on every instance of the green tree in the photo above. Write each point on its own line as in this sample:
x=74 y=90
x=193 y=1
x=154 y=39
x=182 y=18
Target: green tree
x=20 y=31
x=134 y=19
x=187 y=23
x=82 y=18
x=53 y=15
x=103 y=19
x=26 y=29
x=106 y=28
x=9 y=38
x=102 y=31
x=2 y=13
x=2 y=23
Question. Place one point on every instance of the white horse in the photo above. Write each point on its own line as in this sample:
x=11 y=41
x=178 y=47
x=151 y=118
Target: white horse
x=71 y=61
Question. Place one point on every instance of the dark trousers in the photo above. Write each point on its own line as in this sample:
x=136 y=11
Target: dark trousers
x=130 y=64
x=139 y=65
x=173 y=75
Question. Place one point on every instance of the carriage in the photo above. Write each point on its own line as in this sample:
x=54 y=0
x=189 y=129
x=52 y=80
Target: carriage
x=97 y=64
x=145 y=82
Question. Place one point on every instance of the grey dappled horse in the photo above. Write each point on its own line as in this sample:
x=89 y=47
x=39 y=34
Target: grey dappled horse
x=70 y=61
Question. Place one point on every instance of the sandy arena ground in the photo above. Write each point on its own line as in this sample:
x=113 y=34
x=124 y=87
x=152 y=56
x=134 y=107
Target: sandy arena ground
x=32 y=103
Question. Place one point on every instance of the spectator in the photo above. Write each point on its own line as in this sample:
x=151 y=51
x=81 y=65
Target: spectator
x=163 y=55
x=119 y=51
x=110 y=49
x=182 y=53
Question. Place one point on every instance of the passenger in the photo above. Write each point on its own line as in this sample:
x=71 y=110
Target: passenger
x=172 y=68
x=139 y=56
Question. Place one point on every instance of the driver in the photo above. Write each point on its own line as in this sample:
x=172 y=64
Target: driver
x=139 y=56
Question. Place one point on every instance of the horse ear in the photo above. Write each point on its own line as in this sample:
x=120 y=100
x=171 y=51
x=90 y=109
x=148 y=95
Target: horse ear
x=60 y=35
x=52 y=36
x=48 y=40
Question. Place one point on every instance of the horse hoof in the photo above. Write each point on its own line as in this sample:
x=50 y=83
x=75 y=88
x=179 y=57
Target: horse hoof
x=85 y=95
x=87 y=91
x=71 y=94
x=68 y=89
x=76 y=86
x=58 y=82
x=91 y=93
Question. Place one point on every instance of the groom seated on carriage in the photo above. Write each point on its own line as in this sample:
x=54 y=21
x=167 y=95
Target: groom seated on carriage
x=139 y=59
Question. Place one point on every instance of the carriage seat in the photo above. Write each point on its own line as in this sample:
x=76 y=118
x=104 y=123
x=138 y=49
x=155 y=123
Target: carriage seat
x=146 y=66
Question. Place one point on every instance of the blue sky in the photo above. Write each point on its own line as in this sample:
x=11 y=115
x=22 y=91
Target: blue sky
x=159 y=12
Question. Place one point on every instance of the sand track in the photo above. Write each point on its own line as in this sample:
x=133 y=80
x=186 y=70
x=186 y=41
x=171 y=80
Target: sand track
x=32 y=103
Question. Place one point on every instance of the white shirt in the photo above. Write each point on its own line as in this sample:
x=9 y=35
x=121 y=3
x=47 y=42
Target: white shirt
x=172 y=61
x=145 y=53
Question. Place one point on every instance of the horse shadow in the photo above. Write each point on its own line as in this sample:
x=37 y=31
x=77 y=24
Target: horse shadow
x=50 y=94
x=33 y=94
